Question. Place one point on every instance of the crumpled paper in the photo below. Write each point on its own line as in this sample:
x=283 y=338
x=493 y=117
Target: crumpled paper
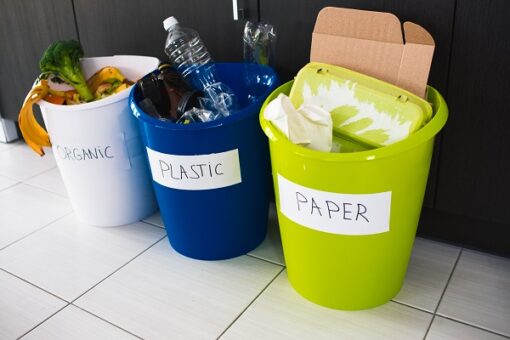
x=309 y=125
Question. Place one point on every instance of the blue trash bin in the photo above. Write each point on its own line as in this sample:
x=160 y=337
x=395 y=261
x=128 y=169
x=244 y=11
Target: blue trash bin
x=212 y=180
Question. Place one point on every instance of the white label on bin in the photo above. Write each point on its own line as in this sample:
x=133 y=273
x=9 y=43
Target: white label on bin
x=346 y=214
x=197 y=172
x=109 y=151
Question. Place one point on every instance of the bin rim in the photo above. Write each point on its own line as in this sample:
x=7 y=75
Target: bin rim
x=231 y=119
x=112 y=99
x=436 y=123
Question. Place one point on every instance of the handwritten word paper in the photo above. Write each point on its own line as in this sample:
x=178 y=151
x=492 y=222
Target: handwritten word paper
x=337 y=213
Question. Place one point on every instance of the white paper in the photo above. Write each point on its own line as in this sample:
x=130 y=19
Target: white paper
x=196 y=172
x=309 y=126
x=336 y=213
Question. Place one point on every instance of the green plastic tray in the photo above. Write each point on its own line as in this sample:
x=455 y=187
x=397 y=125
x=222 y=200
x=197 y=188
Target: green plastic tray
x=365 y=110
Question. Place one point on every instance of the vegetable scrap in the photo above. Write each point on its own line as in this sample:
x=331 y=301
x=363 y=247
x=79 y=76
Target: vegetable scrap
x=61 y=63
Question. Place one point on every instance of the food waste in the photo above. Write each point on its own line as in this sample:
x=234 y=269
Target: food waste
x=61 y=64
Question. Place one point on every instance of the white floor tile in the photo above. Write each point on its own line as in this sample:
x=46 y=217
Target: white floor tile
x=164 y=295
x=427 y=275
x=23 y=306
x=444 y=329
x=6 y=146
x=27 y=199
x=271 y=248
x=281 y=313
x=161 y=294
x=479 y=292
x=49 y=180
x=24 y=209
x=21 y=163
x=155 y=220
x=68 y=257
x=73 y=323
x=6 y=182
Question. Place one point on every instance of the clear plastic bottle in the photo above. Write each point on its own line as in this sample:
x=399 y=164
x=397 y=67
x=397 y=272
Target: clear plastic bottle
x=194 y=63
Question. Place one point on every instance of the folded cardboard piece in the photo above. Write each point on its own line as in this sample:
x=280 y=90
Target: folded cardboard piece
x=373 y=43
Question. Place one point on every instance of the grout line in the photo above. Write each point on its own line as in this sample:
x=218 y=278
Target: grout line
x=10 y=185
x=71 y=303
x=40 y=323
x=45 y=189
x=14 y=144
x=8 y=148
x=40 y=173
x=428 y=328
x=413 y=307
x=449 y=279
x=34 y=185
x=10 y=177
x=444 y=291
x=116 y=270
x=33 y=284
x=153 y=224
x=471 y=325
x=88 y=312
x=16 y=181
x=252 y=301
x=265 y=260
x=36 y=230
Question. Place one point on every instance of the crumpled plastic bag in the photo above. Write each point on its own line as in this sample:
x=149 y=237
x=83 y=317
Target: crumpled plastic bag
x=309 y=125
x=219 y=99
x=196 y=115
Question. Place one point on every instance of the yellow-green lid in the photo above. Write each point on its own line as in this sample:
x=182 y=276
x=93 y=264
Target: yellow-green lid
x=363 y=108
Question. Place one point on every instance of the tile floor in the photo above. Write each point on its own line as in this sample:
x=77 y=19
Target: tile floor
x=60 y=279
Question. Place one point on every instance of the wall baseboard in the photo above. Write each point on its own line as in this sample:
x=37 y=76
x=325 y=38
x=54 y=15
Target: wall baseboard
x=8 y=132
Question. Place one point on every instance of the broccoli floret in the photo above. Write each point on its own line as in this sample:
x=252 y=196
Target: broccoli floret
x=62 y=59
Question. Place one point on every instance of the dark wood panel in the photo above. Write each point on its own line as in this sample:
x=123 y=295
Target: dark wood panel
x=474 y=177
x=436 y=17
x=295 y=20
x=465 y=231
x=295 y=23
x=27 y=28
x=135 y=27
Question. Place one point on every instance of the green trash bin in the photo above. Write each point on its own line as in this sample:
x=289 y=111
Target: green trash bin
x=348 y=220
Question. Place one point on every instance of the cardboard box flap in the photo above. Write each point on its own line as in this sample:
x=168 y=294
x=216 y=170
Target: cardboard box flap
x=373 y=43
x=354 y=23
x=416 y=59
x=416 y=34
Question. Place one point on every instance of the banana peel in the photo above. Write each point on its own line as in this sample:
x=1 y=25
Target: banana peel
x=104 y=82
x=122 y=87
x=107 y=74
x=34 y=134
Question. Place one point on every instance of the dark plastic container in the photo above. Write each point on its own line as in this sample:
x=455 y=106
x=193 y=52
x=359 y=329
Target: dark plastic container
x=230 y=220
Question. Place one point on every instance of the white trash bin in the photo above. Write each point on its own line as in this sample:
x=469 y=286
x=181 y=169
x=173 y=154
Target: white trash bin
x=99 y=153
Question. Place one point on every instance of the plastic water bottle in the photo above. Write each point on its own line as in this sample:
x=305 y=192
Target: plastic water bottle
x=194 y=63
